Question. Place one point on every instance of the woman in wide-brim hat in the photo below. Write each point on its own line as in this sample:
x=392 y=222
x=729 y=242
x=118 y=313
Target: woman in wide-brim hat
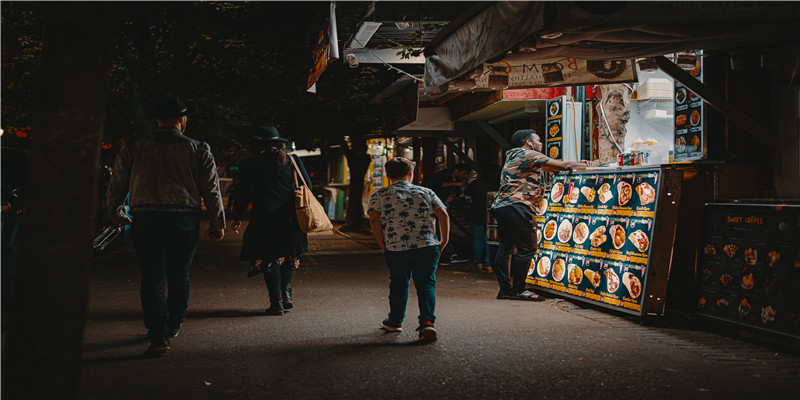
x=273 y=241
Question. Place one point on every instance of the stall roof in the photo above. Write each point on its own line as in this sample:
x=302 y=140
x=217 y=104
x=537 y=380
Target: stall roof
x=603 y=31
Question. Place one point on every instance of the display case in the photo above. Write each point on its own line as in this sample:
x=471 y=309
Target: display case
x=607 y=236
x=749 y=266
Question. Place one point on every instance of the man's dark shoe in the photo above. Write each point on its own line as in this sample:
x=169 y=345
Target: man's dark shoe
x=390 y=326
x=173 y=332
x=426 y=332
x=527 y=296
x=501 y=295
x=158 y=347
x=275 y=309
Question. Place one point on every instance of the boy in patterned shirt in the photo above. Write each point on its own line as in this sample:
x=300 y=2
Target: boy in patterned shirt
x=401 y=216
x=518 y=200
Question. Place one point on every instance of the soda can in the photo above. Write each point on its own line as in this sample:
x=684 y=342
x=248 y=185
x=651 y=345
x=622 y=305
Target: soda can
x=635 y=158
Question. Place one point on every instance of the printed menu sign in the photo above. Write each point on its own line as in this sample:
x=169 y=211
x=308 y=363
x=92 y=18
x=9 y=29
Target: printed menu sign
x=689 y=118
x=554 y=138
x=749 y=266
x=595 y=239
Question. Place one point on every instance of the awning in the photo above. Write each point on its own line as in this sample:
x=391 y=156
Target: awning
x=509 y=30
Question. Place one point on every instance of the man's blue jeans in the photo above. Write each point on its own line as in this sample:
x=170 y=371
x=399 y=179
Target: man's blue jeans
x=419 y=264
x=165 y=244
x=480 y=248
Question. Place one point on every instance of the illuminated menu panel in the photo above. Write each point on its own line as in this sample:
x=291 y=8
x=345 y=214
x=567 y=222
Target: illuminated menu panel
x=596 y=234
x=749 y=266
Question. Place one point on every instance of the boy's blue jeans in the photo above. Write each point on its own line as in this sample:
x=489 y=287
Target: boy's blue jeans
x=419 y=264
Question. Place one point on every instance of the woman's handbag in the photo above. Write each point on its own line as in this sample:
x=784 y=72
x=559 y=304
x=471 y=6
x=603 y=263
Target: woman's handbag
x=310 y=215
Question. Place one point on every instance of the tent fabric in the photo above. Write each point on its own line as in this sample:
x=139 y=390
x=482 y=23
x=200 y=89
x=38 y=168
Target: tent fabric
x=605 y=31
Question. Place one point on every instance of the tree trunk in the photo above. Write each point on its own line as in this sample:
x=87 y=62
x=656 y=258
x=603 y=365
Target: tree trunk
x=614 y=114
x=358 y=160
x=43 y=349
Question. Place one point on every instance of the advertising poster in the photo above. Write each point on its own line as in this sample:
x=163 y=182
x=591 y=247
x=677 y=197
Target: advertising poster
x=554 y=138
x=689 y=118
x=749 y=266
x=596 y=236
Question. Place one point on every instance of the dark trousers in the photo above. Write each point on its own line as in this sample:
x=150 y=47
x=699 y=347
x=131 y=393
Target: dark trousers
x=278 y=279
x=165 y=244
x=419 y=264
x=516 y=230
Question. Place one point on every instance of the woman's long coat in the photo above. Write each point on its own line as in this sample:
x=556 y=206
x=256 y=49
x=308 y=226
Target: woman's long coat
x=273 y=231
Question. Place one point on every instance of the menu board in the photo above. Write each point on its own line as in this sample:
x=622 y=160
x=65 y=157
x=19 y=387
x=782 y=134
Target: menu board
x=554 y=138
x=689 y=118
x=596 y=236
x=749 y=266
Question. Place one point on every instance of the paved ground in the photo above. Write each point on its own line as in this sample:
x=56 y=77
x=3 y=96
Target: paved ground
x=330 y=345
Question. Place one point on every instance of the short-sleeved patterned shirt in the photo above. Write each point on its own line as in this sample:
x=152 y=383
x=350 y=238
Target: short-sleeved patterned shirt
x=521 y=180
x=407 y=217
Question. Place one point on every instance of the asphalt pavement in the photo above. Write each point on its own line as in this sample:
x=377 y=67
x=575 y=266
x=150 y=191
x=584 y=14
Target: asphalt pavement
x=331 y=345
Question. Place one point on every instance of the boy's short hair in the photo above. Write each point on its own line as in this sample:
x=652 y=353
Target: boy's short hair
x=519 y=137
x=399 y=167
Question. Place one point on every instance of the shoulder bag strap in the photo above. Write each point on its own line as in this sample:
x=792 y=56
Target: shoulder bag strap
x=297 y=172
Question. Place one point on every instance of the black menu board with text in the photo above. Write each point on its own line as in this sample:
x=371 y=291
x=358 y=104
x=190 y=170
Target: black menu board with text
x=749 y=266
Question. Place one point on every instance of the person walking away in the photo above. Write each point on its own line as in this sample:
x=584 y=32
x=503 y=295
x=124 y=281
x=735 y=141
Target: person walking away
x=273 y=241
x=448 y=184
x=166 y=174
x=401 y=217
x=518 y=200
x=488 y=181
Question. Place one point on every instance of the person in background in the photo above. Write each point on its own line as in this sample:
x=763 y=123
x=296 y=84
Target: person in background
x=518 y=200
x=488 y=181
x=273 y=241
x=448 y=185
x=171 y=174
x=401 y=217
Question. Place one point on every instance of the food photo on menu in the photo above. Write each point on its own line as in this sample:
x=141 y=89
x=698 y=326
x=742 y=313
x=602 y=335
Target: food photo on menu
x=565 y=228
x=559 y=268
x=557 y=192
x=617 y=233
x=634 y=285
x=639 y=232
x=599 y=233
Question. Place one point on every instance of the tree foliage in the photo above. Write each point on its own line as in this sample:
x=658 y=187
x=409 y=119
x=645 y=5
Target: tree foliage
x=243 y=64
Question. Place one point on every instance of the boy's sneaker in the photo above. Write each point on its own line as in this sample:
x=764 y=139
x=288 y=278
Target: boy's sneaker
x=426 y=332
x=158 y=347
x=390 y=326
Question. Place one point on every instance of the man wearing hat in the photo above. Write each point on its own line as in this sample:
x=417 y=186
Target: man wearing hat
x=166 y=175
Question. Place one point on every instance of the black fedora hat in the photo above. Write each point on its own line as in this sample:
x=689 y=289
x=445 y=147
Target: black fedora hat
x=269 y=134
x=171 y=107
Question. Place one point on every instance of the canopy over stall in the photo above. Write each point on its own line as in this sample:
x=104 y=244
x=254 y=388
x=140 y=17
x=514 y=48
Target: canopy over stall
x=510 y=30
